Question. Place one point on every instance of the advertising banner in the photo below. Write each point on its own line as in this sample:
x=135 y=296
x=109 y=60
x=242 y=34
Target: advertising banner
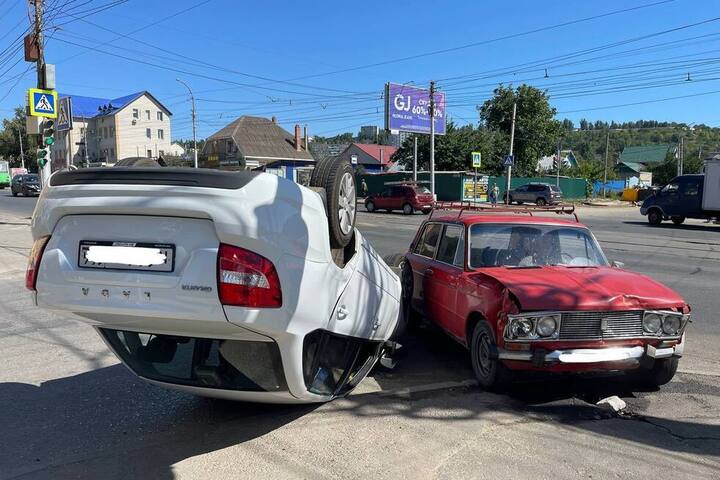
x=407 y=109
x=475 y=191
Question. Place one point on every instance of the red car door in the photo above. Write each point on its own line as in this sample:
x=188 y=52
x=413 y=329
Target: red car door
x=381 y=200
x=397 y=198
x=441 y=281
x=421 y=258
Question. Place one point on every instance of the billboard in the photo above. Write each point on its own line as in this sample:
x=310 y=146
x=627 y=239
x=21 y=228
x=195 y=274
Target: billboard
x=407 y=109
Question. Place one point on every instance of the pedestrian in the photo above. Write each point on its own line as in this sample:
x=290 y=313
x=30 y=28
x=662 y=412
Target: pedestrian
x=494 y=192
x=363 y=188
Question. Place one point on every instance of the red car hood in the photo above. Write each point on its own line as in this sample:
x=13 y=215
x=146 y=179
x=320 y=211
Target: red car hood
x=598 y=288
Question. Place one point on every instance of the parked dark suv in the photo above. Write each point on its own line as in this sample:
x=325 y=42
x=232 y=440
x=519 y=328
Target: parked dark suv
x=408 y=198
x=27 y=184
x=537 y=193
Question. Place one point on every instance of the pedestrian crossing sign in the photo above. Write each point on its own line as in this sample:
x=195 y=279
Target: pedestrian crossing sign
x=43 y=103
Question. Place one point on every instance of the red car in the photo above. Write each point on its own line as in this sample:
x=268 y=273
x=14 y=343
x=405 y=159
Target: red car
x=408 y=198
x=533 y=293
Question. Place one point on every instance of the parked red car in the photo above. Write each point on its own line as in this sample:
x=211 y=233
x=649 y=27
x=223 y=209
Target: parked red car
x=536 y=293
x=408 y=198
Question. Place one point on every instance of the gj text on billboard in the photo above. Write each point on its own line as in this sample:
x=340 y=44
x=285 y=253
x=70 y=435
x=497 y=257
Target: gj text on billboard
x=407 y=109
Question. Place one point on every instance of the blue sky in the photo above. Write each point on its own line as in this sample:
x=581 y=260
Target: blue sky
x=316 y=63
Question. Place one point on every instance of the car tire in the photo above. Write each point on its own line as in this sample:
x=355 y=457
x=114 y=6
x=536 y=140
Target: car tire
x=340 y=191
x=661 y=372
x=408 y=209
x=320 y=173
x=677 y=220
x=540 y=202
x=14 y=193
x=491 y=374
x=370 y=206
x=655 y=217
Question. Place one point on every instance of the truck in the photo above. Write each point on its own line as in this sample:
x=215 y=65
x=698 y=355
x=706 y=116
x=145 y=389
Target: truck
x=686 y=196
x=4 y=174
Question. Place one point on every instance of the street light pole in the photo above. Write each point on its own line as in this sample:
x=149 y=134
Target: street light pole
x=192 y=98
x=22 y=155
x=432 y=139
x=512 y=144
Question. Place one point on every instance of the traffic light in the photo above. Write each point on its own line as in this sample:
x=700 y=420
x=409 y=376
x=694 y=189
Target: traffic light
x=48 y=132
x=48 y=138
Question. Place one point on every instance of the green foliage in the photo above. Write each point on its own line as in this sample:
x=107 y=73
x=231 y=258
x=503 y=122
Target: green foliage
x=10 y=142
x=536 y=130
x=188 y=144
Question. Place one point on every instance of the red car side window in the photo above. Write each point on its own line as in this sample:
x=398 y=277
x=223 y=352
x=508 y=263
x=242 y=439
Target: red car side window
x=428 y=243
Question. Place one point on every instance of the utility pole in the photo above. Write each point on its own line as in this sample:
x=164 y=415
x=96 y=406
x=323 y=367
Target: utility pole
x=681 y=156
x=192 y=98
x=607 y=150
x=415 y=159
x=432 y=139
x=512 y=142
x=22 y=155
x=46 y=170
x=559 y=162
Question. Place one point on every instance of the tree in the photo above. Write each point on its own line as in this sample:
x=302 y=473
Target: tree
x=10 y=141
x=453 y=151
x=536 y=130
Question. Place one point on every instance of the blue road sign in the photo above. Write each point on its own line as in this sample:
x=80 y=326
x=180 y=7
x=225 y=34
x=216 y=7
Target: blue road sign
x=508 y=161
x=43 y=103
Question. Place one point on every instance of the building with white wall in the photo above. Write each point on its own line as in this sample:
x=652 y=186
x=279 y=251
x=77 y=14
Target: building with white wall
x=107 y=130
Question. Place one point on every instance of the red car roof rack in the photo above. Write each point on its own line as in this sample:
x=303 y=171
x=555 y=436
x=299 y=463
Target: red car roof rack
x=464 y=207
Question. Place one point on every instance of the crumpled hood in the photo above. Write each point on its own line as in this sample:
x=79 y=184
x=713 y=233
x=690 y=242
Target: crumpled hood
x=599 y=288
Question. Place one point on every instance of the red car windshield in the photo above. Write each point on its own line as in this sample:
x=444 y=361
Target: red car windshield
x=506 y=245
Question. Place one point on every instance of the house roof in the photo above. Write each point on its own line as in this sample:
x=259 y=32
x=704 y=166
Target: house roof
x=634 y=166
x=261 y=138
x=89 y=107
x=645 y=153
x=374 y=151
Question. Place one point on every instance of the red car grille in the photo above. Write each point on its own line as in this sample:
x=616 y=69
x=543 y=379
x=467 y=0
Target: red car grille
x=601 y=325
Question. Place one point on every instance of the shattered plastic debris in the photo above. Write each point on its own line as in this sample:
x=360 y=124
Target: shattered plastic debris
x=615 y=402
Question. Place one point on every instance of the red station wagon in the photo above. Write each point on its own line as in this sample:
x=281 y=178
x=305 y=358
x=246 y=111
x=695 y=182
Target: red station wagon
x=536 y=293
x=408 y=198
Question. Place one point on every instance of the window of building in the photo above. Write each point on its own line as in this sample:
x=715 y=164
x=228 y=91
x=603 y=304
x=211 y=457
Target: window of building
x=82 y=130
x=112 y=131
x=136 y=113
x=159 y=115
x=112 y=153
x=105 y=132
x=161 y=134
x=148 y=133
x=149 y=154
x=147 y=114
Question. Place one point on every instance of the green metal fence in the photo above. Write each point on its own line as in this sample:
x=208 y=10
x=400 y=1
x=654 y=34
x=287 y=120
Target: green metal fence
x=449 y=185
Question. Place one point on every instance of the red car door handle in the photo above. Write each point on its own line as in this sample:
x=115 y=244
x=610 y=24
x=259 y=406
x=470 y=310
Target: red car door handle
x=429 y=272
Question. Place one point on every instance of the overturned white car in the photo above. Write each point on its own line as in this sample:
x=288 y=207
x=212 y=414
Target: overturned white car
x=235 y=285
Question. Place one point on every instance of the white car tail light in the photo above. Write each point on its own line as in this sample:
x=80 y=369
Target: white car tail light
x=246 y=279
x=34 y=262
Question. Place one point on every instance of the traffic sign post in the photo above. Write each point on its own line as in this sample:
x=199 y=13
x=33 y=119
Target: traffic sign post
x=43 y=103
x=476 y=160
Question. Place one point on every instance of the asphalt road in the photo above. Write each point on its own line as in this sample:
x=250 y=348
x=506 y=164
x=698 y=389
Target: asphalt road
x=19 y=206
x=69 y=410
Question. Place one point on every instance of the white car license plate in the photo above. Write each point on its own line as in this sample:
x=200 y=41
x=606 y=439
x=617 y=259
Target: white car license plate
x=154 y=257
